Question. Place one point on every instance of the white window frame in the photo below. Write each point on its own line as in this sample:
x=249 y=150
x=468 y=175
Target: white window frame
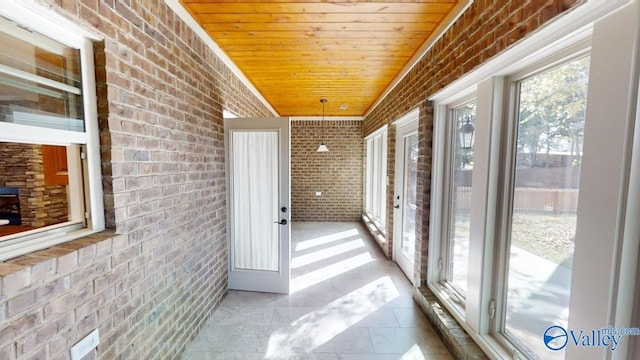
x=595 y=23
x=505 y=197
x=48 y=23
x=376 y=178
x=446 y=129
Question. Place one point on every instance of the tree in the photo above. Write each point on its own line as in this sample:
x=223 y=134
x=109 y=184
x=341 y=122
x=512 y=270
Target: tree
x=551 y=111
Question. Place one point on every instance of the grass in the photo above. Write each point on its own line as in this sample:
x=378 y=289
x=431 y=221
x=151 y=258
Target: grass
x=550 y=236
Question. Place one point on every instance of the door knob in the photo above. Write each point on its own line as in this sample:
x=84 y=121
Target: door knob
x=281 y=222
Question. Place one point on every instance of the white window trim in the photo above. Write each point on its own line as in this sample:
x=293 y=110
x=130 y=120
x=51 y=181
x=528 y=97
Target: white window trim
x=503 y=190
x=445 y=128
x=569 y=30
x=382 y=180
x=55 y=26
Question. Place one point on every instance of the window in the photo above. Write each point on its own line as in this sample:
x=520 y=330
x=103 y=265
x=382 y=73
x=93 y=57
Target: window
x=536 y=162
x=376 y=177
x=49 y=157
x=538 y=245
x=550 y=112
x=543 y=200
x=455 y=250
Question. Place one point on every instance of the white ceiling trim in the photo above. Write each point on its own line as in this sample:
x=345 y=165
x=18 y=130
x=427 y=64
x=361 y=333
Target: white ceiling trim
x=327 y=118
x=193 y=24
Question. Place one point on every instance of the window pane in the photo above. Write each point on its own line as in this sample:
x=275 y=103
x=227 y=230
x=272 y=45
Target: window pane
x=549 y=153
x=376 y=179
x=377 y=144
x=460 y=211
x=410 y=187
x=255 y=203
x=33 y=187
x=39 y=81
x=369 y=177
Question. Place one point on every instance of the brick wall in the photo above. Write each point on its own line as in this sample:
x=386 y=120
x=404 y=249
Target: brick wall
x=487 y=28
x=337 y=174
x=150 y=283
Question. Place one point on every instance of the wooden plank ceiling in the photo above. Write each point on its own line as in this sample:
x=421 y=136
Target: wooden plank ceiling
x=297 y=52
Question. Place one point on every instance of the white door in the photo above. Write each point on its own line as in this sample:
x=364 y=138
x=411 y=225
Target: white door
x=258 y=180
x=404 y=215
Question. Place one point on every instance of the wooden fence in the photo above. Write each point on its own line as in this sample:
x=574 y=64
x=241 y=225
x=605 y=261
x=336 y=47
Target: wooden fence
x=530 y=199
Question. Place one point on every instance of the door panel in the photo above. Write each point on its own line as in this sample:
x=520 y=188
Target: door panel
x=405 y=196
x=258 y=180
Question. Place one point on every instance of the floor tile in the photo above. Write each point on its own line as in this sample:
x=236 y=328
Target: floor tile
x=249 y=299
x=248 y=315
x=349 y=303
x=406 y=340
x=237 y=338
x=352 y=340
x=410 y=317
x=205 y=355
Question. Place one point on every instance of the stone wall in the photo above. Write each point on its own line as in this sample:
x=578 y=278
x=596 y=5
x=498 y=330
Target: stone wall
x=21 y=166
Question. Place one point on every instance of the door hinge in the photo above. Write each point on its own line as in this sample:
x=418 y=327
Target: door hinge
x=440 y=264
x=83 y=155
x=492 y=309
x=87 y=215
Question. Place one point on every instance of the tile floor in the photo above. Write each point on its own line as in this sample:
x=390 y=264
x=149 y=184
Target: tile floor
x=347 y=303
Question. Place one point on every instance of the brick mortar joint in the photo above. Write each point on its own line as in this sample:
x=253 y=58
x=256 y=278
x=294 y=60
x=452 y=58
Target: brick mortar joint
x=15 y=265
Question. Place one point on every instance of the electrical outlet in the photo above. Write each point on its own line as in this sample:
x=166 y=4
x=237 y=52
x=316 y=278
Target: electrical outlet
x=84 y=346
x=318 y=193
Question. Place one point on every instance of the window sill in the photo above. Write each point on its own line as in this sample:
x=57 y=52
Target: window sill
x=378 y=234
x=20 y=272
x=455 y=338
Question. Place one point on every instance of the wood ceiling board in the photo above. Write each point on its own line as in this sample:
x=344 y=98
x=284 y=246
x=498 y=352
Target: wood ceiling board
x=316 y=49
x=315 y=43
x=322 y=58
x=316 y=1
x=318 y=26
x=296 y=52
x=358 y=71
x=311 y=35
x=299 y=55
x=315 y=18
x=299 y=8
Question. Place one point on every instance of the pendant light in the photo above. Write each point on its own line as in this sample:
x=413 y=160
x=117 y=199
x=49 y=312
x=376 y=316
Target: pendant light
x=322 y=147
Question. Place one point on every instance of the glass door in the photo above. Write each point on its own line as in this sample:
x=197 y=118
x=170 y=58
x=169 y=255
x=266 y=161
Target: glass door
x=405 y=196
x=258 y=179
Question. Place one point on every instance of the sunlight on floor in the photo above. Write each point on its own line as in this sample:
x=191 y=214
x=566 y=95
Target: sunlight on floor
x=320 y=326
x=307 y=244
x=329 y=271
x=326 y=258
x=413 y=354
x=347 y=302
x=301 y=260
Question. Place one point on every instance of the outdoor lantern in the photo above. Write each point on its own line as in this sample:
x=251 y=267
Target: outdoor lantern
x=466 y=133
